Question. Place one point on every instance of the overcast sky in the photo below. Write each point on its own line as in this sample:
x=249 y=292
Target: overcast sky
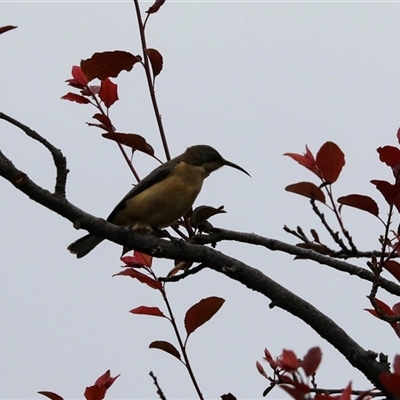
x=252 y=79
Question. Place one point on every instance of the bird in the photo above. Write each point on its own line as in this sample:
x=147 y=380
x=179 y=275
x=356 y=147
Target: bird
x=163 y=196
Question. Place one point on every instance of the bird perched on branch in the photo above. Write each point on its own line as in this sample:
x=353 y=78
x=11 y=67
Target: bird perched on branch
x=163 y=196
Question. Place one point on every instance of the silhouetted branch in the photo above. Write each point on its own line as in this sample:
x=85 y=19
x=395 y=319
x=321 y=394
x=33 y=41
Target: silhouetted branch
x=59 y=160
x=150 y=81
x=183 y=275
x=159 y=390
x=299 y=233
x=275 y=245
x=335 y=235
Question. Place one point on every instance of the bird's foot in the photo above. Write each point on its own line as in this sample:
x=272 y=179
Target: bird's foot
x=161 y=233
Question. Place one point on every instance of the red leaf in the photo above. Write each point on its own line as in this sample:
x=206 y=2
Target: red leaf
x=79 y=76
x=307 y=160
x=346 y=393
x=4 y=29
x=75 y=97
x=108 y=92
x=143 y=258
x=398 y=135
x=330 y=161
x=103 y=379
x=155 y=7
x=51 y=395
x=311 y=361
x=202 y=213
x=271 y=361
x=141 y=278
x=105 y=121
x=320 y=396
x=101 y=126
x=131 y=261
x=261 y=370
x=288 y=361
x=106 y=379
x=361 y=202
x=98 y=390
x=390 y=192
x=384 y=307
x=108 y=64
x=156 y=61
x=74 y=83
x=385 y=188
x=307 y=189
x=143 y=310
x=94 y=89
x=132 y=140
x=389 y=155
x=391 y=382
x=396 y=365
x=179 y=266
x=89 y=90
x=201 y=312
x=393 y=267
x=228 y=396
x=95 y=392
x=165 y=346
x=396 y=308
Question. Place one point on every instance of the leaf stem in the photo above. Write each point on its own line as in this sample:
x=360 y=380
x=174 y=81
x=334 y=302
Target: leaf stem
x=128 y=161
x=150 y=82
x=339 y=219
x=181 y=344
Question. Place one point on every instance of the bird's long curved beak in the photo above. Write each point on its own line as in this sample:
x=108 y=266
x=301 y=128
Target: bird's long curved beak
x=231 y=164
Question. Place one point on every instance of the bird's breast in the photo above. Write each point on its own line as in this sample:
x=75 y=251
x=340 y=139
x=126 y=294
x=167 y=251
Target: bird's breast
x=161 y=204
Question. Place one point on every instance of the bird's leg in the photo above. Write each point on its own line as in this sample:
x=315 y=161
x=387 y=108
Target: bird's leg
x=161 y=233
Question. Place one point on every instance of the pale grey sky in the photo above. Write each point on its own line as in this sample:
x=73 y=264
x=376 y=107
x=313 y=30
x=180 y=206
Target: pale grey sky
x=254 y=80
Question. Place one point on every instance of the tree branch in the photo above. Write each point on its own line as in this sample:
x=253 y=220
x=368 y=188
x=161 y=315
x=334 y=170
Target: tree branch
x=276 y=245
x=59 y=160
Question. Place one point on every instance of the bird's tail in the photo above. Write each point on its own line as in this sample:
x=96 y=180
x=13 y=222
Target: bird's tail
x=84 y=245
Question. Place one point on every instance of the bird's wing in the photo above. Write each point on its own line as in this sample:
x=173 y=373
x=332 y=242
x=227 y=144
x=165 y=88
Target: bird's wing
x=155 y=176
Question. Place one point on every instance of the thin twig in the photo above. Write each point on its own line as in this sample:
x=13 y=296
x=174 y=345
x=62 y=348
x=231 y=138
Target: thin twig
x=181 y=345
x=59 y=159
x=97 y=104
x=379 y=269
x=299 y=233
x=339 y=219
x=150 y=80
x=277 y=245
x=334 y=235
x=350 y=240
x=189 y=271
x=159 y=390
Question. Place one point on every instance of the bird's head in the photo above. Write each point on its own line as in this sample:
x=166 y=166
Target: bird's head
x=208 y=158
